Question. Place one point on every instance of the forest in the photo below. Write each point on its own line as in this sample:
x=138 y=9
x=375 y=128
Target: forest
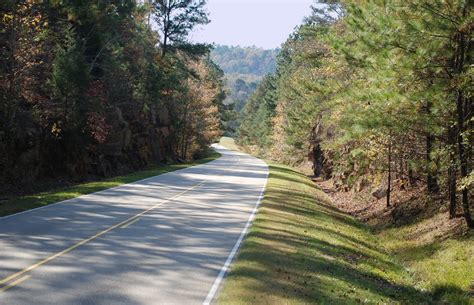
x=337 y=169
x=100 y=88
x=244 y=68
x=378 y=96
x=245 y=60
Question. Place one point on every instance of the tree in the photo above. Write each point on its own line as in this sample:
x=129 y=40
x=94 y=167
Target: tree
x=84 y=90
x=380 y=92
x=176 y=18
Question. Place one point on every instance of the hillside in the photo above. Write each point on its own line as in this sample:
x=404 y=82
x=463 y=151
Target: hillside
x=384 y=123
x=235 y=60
x=305 y=248
x=244 y=68
x=86 y=95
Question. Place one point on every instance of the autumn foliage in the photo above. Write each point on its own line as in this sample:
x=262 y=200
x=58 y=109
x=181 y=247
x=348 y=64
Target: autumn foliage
x=86 y=90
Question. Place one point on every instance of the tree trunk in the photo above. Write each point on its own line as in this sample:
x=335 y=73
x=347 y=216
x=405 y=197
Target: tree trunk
x=186 y=146
x=389 y=179
x=166 y=31
x=463 y=158
x=165 y=45
x=411 y=176
x=431 y=177
x=462 y=59
x=452 y=172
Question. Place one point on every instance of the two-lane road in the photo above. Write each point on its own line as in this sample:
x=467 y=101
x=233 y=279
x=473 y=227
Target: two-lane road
x=162 y=240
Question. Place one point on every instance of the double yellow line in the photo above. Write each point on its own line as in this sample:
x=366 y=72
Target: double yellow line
x=20 y=276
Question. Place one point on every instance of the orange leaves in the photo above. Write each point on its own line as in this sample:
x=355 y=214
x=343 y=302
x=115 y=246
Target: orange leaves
x=98 y=127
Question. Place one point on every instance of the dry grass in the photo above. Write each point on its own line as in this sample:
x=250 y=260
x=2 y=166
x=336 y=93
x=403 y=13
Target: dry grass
x=229 y=143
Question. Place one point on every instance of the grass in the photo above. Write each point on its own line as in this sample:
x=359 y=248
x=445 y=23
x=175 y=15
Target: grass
x=444 y=266
x=24 y=203
x=229 y=143
x=301 y=250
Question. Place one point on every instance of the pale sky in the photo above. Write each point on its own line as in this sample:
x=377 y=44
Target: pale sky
x=263 y=23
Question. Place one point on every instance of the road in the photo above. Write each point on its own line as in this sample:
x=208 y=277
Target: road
x=163 y=240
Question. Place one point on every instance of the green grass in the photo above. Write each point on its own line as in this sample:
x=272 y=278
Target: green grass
x=24 y=203
x=229 y=143
x=301 y=250
x=443 y=266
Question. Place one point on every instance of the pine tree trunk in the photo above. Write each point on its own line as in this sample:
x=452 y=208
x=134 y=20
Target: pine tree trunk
x=431 y=177
x=186 y=146
x=389 y=179
x=462 y=57
x=183 y=141
x=461 y=60
x=463 y=158
x=452 y=172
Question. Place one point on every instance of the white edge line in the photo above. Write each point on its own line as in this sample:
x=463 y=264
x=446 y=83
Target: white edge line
x=131 y=183
x=230 y=258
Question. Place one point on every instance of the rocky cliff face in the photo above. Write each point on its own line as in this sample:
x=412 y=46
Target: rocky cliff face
x=32 y=154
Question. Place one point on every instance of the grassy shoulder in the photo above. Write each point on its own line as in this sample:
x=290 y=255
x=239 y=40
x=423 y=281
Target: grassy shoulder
x=301 y=250
x=229 y=143
x=25 y=203
x=442 y=264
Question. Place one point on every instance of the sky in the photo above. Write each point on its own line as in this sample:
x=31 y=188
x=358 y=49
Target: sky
x=262 y=23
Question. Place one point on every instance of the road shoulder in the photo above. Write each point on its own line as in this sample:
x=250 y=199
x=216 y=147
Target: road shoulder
x=39 y=200
x=301 y=250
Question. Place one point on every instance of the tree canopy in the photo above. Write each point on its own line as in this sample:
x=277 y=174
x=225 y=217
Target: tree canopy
x=85 y=88
x=376 y=93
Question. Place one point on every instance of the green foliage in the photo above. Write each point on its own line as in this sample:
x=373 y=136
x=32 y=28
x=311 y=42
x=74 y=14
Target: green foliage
x=176 y=18
x=86 y=91
x=390 y=78
x=256 y=126
x=245 y=60
x=300 y=250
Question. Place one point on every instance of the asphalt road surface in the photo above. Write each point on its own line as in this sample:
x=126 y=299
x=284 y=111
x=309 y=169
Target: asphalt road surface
x=164 y=240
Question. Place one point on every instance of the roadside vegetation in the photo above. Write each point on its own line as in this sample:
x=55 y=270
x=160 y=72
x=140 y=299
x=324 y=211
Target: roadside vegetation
x=305 y=248
x=379 y=96
x=301 y=250
x=90 y=89
x=376 y=100
x=443 y=265
x=28 y=202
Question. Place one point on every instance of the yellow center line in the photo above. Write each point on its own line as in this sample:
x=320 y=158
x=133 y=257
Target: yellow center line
x=12 y=284
x=129 y=223
x=122 y=224
x=85 y=241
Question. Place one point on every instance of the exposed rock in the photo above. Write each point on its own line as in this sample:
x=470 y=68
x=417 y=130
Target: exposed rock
x=380 y=193
x=120 y=137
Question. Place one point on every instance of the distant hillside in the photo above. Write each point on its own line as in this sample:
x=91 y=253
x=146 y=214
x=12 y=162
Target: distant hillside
x=248 y=64
x=244 y=67
x=245 y=60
